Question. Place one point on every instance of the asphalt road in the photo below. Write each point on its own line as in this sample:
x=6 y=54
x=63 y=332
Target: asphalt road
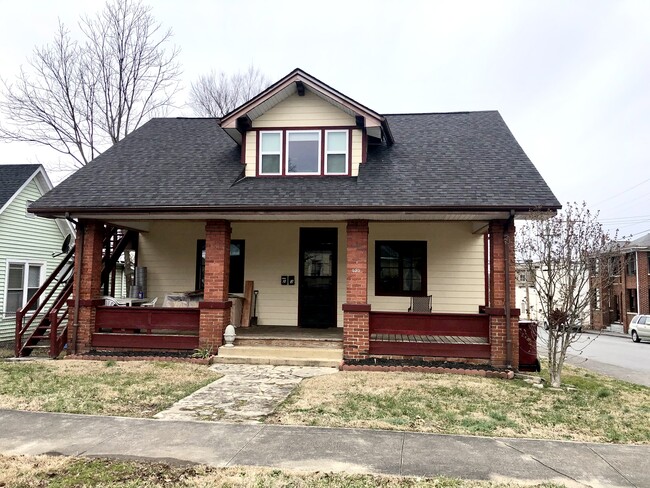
x=611 y=355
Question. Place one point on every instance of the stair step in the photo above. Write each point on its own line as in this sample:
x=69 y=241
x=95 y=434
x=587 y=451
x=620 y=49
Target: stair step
x=281 y=356
x=288 y=342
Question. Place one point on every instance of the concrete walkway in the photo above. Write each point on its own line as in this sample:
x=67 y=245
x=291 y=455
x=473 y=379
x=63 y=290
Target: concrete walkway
x=245 y=393
x=309 y=448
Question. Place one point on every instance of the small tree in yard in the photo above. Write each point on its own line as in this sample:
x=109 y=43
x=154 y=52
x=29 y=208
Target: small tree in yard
x=559 y=252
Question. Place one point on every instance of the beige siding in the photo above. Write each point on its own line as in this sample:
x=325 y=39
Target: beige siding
x=356 y=151
x=168 y=251
x=251 y=153
x=307 y=111
x=24 y=238
x=455 y=265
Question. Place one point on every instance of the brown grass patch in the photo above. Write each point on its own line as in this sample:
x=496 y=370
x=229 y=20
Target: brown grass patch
x=597 y=409
x=132 y=389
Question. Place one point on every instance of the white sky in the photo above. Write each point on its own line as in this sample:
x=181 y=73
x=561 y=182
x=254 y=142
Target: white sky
x=571 y=78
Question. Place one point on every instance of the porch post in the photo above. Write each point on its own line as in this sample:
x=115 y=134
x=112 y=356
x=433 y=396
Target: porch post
x=356 y=310
x=502 y=237
x=215 y=307
x=88 y=265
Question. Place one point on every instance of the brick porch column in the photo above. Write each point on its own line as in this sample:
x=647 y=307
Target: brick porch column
x=89 y=289
x=215 y=307
x=502 y=236
x=356 y=310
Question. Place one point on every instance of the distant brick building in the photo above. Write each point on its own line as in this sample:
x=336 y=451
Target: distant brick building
x=629 y=292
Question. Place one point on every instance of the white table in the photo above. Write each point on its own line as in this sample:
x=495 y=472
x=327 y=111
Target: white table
x=132 y=302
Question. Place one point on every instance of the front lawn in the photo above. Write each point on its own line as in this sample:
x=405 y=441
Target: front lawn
x=63 y=472
x=131 y=389
x=589 y=407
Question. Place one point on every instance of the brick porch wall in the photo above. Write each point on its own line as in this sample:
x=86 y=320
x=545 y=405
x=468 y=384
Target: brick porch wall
x=215 y=307
x=356 y=310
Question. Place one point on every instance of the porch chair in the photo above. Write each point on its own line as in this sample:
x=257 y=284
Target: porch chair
x=420 y=304
x=150 y=303
x=110 y=301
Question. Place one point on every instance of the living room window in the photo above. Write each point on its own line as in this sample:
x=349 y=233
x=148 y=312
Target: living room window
x=23 y=280
x=401 y=268
x=237 y=256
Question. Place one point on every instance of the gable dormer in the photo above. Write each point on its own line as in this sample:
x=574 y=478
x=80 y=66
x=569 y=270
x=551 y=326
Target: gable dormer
x=302 y=127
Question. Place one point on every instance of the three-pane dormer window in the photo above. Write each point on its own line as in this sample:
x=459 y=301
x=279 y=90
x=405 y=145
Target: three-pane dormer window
x=304 y=152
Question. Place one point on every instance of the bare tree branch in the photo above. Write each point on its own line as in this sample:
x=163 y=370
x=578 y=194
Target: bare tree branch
x=216 y=94
x=559 y=253
x=80 y=98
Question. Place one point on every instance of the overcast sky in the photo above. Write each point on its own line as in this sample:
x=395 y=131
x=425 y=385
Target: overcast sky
x=570 y=78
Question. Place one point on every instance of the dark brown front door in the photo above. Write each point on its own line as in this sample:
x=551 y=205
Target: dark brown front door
x=317 y=278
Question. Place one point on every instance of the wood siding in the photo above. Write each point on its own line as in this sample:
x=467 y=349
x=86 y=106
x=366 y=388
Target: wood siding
x=455 y=265
x=25 y=238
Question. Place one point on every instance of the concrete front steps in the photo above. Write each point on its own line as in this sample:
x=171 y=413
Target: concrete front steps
x=280 y=355
x=283 y=347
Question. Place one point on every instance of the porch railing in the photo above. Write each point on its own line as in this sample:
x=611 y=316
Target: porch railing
x=430 y=334
x=146 y=328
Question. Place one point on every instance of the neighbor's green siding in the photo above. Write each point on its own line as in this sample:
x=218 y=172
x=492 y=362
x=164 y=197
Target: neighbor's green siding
x=25 y=238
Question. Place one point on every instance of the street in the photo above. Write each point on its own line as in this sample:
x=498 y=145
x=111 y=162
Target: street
x=615 y=356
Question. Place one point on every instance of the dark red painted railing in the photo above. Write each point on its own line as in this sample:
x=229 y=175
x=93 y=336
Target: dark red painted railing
x=430 y=324
x=146 y=328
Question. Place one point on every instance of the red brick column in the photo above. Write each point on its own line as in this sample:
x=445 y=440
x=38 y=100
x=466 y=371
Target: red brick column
x=356 y=310
x=642 y=273
x=502 y=237
x=89 y=290
x=215 y=307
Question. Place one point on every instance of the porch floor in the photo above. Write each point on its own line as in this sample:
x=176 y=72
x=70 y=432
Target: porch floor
x=270 y=332
x=428 y=339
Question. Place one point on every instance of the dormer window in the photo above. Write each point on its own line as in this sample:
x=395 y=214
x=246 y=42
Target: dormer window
x=304 y=152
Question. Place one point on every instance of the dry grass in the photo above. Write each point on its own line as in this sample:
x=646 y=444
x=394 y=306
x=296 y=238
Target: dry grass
x=59 y=472
x=597 y=408
x=132 y=389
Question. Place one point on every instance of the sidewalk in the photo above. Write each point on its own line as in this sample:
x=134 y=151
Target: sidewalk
x=309 y=448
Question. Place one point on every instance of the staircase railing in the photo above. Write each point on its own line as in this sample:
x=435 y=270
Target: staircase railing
x=52 y=324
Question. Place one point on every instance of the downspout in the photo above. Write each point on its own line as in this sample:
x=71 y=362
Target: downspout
x=79 y=249
x=506 y=249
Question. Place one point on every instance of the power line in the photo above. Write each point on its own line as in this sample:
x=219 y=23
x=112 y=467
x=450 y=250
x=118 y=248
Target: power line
x=624 y=191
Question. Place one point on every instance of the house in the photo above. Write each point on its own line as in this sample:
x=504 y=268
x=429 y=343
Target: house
x=28 y=244
x=627 y=291
x=341 y=217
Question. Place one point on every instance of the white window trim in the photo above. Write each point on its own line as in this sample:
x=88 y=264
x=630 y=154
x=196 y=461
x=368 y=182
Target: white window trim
x=347 y=155
x=24 y=262
x=319 y=159
x=272 y=153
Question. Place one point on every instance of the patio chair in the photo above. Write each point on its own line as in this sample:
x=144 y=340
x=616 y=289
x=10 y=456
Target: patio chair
x=111 y=302
x=150 y=303
x=420 y=304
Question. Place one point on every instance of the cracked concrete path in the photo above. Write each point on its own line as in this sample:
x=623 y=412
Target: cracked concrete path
x=245 y=394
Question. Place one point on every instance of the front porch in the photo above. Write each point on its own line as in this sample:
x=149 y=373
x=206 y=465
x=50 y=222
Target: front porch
x=464 y=270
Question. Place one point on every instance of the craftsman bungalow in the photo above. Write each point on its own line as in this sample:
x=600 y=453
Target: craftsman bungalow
x=343 y=218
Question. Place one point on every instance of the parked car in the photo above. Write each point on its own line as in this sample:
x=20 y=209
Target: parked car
x=577 y=327
x=640 y=328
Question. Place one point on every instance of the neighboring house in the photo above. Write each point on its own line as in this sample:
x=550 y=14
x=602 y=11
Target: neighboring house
x=27 y=242
x=338 y=214
x=627 y=291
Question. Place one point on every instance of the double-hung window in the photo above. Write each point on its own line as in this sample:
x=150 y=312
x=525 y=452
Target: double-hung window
x=270 y=153
x=336 y=152
x=23 y=280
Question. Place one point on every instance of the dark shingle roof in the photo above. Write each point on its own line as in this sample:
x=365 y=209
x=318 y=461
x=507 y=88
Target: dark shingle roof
x=12 y=177
x=438 y=161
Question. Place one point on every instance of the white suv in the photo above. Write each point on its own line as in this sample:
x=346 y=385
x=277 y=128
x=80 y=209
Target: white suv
x=640 y=328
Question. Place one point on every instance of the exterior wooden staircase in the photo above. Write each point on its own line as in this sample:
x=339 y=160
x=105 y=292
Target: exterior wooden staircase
x=42 y=324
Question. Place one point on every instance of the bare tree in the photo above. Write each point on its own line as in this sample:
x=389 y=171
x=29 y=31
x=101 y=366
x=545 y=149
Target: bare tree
x=558 y=252
x=216 y=94
x=78 y=98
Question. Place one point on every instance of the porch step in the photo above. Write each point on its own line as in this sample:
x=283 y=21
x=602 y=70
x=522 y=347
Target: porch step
x=280 y=356
x=257 y=341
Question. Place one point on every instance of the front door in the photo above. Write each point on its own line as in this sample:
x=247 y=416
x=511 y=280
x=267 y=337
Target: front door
x=317 y=278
